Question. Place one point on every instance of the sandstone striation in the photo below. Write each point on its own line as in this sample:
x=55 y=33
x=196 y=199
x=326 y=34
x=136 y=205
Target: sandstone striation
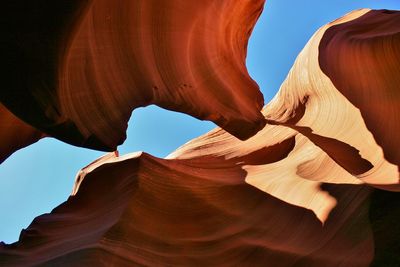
x=309 y=105
x=361 y=58
x=298 y=193
x=138 y=210
x=77 y=69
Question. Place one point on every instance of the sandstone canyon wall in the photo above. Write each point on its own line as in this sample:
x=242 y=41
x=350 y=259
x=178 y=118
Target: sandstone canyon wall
x=77 y=69
x=317 y=186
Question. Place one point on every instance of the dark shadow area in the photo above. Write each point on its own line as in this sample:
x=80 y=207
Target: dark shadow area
x=299 y=111
x=384 y=216
x=270 y=154
x=343 y=154
x=35 y=35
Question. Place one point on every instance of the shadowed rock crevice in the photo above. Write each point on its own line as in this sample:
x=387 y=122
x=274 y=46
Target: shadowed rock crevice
x=269 y=154
x=343 y=154
x=384 y=214
x=34 y=37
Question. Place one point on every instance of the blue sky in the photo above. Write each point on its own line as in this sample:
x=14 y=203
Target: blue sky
x=36 y=179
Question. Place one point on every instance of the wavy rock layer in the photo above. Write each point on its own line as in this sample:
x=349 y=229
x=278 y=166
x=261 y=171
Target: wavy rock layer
x=292 y=195
x=77 y=69
x=338 y=120
x=34 y=35
x=140 y=210
x=362 y=58
x=309 y=104
x=14 y=133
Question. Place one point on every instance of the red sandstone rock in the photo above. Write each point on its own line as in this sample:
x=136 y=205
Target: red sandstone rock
x=77 y=69
x=361 y=58
x=298 y=193
x=140 y=210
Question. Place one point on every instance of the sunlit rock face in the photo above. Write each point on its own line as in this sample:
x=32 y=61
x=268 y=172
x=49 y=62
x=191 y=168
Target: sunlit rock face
x=77 y=69
x=301 y=192
x=339 y=117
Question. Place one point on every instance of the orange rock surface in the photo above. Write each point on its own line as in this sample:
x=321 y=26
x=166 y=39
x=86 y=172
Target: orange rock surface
x=298 y=193
x=144 y=211
x=77 y=69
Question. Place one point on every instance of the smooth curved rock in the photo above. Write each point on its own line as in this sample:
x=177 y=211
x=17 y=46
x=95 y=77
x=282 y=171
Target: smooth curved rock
x=77 y=69
x=140 y=210
x=296 y=194
x=362 y=59
x=309 y=104
x=335 y=121
x=14 y=133
x=34 y=35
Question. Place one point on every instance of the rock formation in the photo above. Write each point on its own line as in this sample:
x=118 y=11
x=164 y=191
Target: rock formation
x=77 y=69
x=361 y=58
x=298 y=193
x=138 y=210
x=14 y=133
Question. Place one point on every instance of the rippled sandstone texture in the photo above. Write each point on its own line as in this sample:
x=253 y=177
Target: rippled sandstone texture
x=141 y=210
x=362 y=60
x=77 y=69
x=299 y=193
